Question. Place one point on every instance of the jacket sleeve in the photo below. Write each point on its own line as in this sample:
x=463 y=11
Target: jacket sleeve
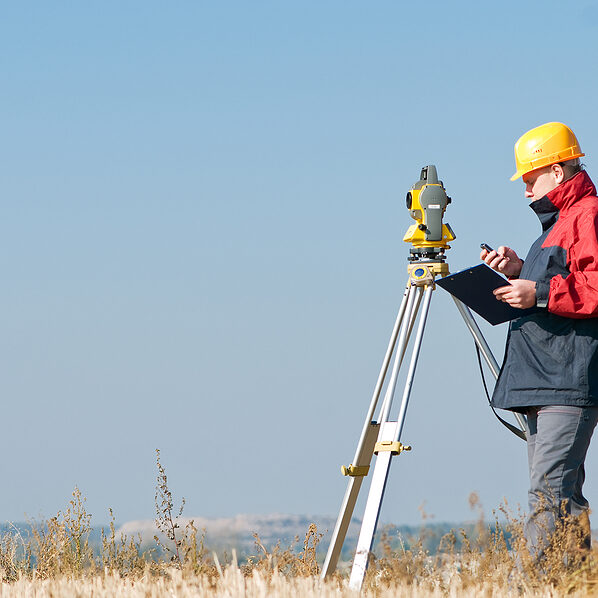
x=576 y=296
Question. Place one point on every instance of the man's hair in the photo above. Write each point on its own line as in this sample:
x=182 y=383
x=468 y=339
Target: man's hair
x=572 y=167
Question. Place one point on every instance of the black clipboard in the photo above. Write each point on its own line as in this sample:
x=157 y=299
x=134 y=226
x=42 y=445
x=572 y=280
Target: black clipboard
x=474 y=287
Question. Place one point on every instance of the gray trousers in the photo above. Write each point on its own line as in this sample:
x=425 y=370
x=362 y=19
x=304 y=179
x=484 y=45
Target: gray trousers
x=558 y=440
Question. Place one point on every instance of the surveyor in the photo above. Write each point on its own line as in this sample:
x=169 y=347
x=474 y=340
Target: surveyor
x=550 y=370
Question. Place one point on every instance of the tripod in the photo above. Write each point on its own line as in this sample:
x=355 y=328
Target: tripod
x=383 y=437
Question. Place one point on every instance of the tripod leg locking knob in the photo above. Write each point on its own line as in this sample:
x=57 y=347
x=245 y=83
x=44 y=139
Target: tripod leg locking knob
x=355 y=470
x=396 y=448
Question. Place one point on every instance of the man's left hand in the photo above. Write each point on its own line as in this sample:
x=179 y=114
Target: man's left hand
x=520 y=293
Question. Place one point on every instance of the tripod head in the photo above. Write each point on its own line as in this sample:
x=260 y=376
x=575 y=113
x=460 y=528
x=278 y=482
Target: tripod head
x=426 y=202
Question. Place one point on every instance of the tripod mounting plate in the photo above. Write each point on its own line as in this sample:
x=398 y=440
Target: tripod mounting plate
x=423 y=273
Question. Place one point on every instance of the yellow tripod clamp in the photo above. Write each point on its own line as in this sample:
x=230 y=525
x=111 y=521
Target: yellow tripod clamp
x=396 y=448
x=355 y=471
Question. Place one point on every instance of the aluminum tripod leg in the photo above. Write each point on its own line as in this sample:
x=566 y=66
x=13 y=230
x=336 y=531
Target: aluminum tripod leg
x=484 y=349
x=390 y=431
x=369 y=434
x=403 y=342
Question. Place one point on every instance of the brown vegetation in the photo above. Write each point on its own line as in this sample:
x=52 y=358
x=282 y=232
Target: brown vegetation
x=56 y=559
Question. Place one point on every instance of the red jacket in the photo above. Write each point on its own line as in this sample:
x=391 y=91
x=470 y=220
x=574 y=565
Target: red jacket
x=551 y=356
x=576 y=231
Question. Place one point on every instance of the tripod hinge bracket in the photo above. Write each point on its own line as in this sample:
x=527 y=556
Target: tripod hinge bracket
x=355 y=471
x=423 y=274
x=396 y=448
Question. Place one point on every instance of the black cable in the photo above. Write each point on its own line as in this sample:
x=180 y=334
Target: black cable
x=505 y=423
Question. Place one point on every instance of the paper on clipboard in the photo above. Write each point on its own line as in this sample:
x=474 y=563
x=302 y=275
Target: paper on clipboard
x=474 y=287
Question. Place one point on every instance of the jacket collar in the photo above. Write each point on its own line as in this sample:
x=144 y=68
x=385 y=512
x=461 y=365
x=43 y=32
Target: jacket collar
x=545 y=211
x=562 y=197
x=569 y=192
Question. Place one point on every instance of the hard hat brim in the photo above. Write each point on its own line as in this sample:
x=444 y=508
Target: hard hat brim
x=523 y=171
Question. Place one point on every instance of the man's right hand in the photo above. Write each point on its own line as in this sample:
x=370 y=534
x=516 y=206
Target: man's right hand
x=505 y=260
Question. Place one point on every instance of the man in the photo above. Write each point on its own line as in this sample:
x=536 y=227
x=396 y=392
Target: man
x=550 y=369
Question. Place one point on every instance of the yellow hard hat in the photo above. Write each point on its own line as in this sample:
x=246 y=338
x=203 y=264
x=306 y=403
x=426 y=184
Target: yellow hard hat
x=547 y=144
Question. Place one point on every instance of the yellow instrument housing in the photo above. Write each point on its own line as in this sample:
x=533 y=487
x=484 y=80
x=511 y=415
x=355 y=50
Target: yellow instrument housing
x=426 y=202
x=417 y=237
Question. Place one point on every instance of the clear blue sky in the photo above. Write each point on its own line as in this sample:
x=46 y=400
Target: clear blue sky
x=201 y=226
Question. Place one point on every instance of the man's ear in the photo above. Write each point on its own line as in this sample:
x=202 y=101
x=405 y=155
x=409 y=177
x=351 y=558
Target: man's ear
x=558 y=173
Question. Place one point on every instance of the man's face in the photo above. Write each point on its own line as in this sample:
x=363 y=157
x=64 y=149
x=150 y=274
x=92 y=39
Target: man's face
x=539 y=182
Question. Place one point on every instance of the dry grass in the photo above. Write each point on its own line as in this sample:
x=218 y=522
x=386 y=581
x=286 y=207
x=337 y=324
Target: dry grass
x=234 y=582
x=56 y=559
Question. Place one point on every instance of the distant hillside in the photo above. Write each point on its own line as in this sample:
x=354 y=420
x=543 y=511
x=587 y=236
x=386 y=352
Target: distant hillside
x=238 y=531
x=224 y=534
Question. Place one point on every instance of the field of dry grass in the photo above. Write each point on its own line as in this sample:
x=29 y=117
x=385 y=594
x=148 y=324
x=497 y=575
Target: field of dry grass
x=234 y=582
x=55 y=558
